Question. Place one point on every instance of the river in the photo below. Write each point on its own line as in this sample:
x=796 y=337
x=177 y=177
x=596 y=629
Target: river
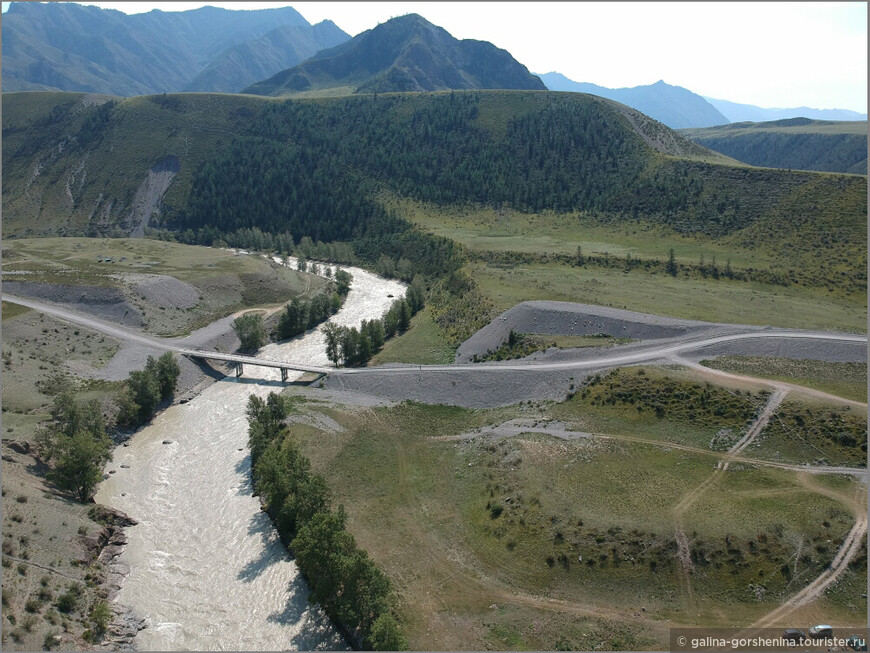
x=207 y=570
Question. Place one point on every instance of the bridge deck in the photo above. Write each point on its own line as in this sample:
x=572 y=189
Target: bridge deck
x=241 y=359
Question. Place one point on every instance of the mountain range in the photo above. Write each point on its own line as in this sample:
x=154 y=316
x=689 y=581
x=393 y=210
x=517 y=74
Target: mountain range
x=66 y=46
x=674 y=106
x=679 y=108
x=407 y=53
x=747 y=112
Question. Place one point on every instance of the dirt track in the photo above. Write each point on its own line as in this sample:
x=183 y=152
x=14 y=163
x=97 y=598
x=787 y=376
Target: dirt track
x=679 y=510
x=850 y=547
x=754 y=381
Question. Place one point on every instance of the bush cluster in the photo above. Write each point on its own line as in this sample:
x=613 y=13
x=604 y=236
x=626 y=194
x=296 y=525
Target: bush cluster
x=251 y=331
x=459 y=307
x=76 y=442
x=672 y=399
x=300 y=315
x=144 y=390
x=518 y=345
x=841 y=436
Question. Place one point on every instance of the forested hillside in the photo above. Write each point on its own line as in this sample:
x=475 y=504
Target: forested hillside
x=76 y=164
x=795 y=143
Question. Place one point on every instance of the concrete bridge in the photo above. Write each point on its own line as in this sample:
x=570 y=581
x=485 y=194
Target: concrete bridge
x=240 y=360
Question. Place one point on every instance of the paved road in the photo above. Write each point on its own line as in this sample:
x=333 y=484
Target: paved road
x=638 y=355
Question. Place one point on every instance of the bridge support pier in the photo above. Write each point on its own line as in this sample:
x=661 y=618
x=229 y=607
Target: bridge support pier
x=284 y=373
x=239 y=369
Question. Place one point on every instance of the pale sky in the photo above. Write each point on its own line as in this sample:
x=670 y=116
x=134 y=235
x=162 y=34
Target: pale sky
x=770 y=54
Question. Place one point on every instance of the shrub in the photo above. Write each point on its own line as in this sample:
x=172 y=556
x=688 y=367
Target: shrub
x=385 y=635
x=52 y=638
x=68 y=601
x=101 y=615
x=250 y=331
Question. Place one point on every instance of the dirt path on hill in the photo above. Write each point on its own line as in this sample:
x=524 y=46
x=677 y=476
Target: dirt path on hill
x=753 y=380
x=679 y=510
x=850 y=547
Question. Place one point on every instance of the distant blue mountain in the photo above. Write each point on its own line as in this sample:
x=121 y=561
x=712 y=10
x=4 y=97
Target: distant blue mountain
x=70 y=47
x=750 y=113
x=674 y=106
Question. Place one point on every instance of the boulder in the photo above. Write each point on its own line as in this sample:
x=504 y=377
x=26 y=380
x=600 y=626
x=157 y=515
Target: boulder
x=18 y=447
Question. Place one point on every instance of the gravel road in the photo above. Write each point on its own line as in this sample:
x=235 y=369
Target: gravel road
x=566 y=318
x=100 y=301
x=538 y=377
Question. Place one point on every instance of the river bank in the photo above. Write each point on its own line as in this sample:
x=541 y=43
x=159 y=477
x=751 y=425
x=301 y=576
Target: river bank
x=207 y=570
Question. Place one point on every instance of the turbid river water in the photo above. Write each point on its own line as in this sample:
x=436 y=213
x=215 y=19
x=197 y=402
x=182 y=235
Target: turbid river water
x=207 y=570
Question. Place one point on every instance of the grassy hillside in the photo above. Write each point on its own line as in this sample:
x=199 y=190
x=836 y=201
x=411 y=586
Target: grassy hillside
x=796 y=143
x=210 y=284
x=782 y=280
x=847 y=380
x=531 y=541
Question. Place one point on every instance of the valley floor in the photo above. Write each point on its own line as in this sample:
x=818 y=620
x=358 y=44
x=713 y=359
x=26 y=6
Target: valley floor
x=578 y=498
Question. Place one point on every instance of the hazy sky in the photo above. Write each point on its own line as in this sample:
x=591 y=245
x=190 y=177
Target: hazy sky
x=771 y=54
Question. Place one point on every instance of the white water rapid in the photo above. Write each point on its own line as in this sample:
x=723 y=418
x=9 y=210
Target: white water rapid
x=207 y=570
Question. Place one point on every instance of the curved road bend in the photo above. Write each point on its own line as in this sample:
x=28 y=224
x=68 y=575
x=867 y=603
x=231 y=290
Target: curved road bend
x=653 y=352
